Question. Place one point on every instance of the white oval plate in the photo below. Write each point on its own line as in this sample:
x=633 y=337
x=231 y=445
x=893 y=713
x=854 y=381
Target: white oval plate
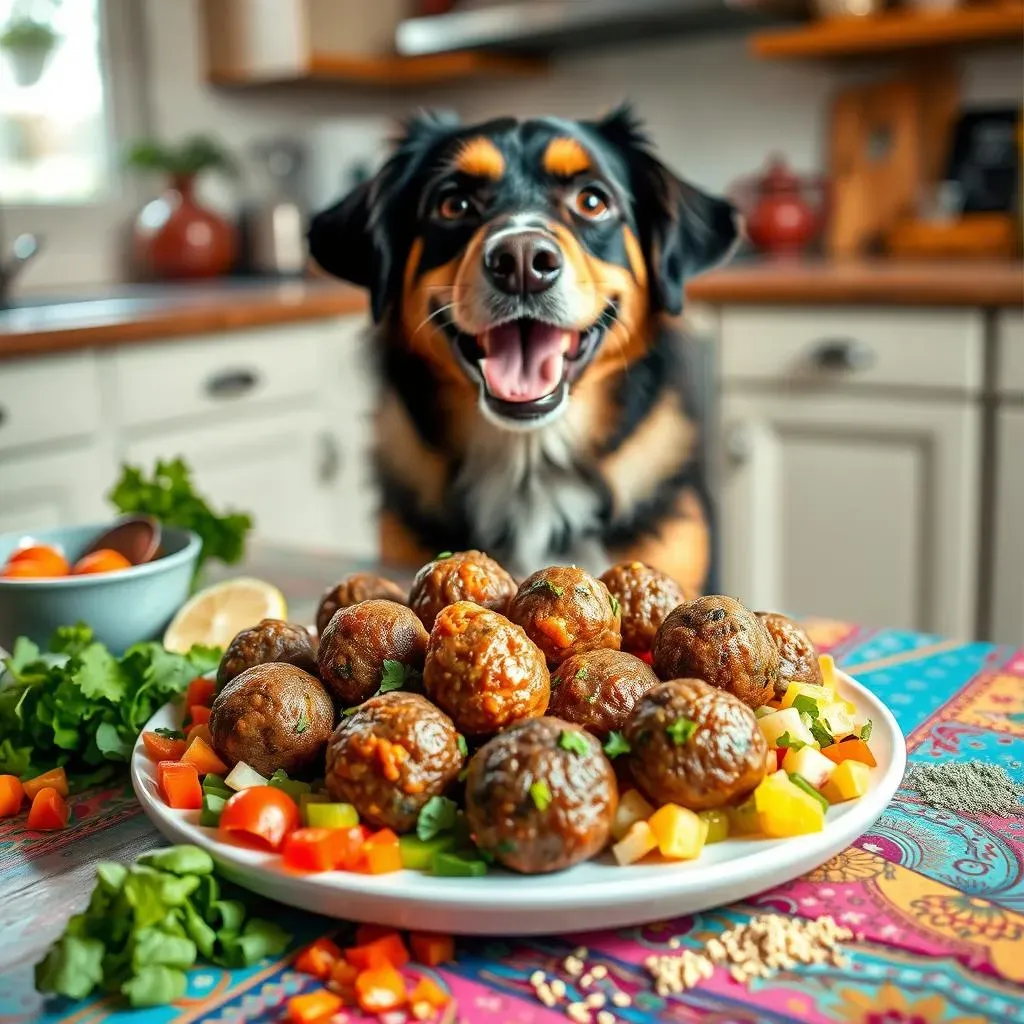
x=597 y=894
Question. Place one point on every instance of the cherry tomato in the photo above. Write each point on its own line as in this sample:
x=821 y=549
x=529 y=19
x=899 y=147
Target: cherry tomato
x=104 y=560
x=263 y=813
x=48 y=558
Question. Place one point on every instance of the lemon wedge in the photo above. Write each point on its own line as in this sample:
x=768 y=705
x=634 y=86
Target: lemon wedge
x=215 y=615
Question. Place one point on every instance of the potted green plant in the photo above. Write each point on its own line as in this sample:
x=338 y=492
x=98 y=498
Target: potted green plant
x=28 y=43
x=175 y=235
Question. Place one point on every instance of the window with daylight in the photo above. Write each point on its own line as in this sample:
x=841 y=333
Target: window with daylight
x=54 y=138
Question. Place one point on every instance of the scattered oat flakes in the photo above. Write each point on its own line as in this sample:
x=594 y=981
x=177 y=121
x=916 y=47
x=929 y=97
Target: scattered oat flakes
x=558 y=988
x=605 y=1017
x=587 y=980
x=578 y=1012
x=599 y=971
x=573 y=966
x=595 y=1000
x=621 y=999
x=538 y=978
x=581 y=952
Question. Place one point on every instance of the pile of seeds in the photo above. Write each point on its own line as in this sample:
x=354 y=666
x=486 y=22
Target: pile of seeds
x=755 y=949
x=971 y=787
x=592 y=1007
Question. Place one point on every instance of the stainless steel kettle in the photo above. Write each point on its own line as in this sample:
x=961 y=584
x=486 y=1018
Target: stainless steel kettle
x=276 y=225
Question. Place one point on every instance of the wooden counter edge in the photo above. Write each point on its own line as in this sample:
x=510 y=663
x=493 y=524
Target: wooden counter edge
x=181 y=321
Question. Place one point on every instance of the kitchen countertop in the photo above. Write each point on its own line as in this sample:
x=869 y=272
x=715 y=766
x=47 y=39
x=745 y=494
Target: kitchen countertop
x=139 y=313
x=878 y=282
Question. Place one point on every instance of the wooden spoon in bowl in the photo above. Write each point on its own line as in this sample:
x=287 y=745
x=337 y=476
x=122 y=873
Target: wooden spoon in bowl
x=135 y=537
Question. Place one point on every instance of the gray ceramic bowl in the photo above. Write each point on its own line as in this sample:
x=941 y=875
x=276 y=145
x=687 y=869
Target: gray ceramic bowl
x=121 y=607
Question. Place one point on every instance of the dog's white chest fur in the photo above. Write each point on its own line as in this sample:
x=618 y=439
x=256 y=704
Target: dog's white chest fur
x=526 y=497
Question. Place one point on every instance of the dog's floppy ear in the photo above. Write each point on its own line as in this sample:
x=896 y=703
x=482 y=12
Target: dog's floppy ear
x=363 y=238
x=682 y=229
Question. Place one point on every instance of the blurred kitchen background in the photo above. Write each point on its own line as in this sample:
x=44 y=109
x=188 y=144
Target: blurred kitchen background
x=864 y=352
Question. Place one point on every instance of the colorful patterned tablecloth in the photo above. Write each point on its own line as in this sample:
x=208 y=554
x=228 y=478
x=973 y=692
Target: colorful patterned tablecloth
x=936 y=897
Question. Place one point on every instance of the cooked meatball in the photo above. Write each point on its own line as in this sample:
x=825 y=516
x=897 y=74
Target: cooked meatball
x=272 y=716
x=360 y=586
x=541 y=796
x=464 y=576
x=271 y=640
x=716 y=639
x=390 y=756
x=484 y=670
x=597 y=689
x=565 y=611
x=358 y=641
x=694 y=745
x=645 y=596
x=798 y=660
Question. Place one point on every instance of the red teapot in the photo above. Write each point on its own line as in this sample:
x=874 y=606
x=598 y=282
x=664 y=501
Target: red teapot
x=782 y=219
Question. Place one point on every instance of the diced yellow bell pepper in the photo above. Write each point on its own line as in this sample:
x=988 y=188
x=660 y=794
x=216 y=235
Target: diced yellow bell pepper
x=827 y=665
x=786 y=810
x=679 y=832
x=744 y=819
x=819 y=694
x=717 y=821
x=850 y=780
x=811 y=764
x=636 y=843
x=632 y=808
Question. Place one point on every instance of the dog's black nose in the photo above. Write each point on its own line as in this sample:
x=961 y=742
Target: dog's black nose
x=523 y=262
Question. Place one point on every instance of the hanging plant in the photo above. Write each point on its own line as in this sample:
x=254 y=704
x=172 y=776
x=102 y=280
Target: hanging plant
x=28 y=43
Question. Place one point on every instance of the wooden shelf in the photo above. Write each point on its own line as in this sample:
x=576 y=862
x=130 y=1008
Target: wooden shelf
x=893 y=31
x=386 y=71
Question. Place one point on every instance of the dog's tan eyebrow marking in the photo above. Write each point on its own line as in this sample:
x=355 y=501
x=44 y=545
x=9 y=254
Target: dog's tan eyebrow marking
x=565 y=158
x=481 y=158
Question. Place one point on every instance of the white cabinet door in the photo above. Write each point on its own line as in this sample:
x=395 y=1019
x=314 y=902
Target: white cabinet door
x=278 y=466
x=854 y=508
x=1008 y=577
x=55 y=487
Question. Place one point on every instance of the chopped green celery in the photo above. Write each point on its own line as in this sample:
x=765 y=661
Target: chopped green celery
x=801 y=783
x=319 y=814
x=293 y=787
x=213 y=804
x=216 y=784
x=718 y=824
x=455 y=865
x=418 y=854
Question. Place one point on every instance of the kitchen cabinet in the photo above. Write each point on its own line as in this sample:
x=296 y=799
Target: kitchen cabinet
x=850 y=463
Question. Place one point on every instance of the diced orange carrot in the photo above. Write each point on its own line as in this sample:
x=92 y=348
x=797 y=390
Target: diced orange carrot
x=313 y=1007
x=48 y=811
x=432 y=948
x=853 y=750
x=388 y=949
x=428 y=991
x=200 y=691
x=344 y=974
x=199 y=714
x=179 y=785
x=55 y=778
x=203 y=756
x=379 y=989
x=383 y=853
x=11 y=795
x=163 y=748
x=318 y=959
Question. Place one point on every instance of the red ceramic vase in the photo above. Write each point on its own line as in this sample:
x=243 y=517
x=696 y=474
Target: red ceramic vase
x=177 y=238
x=783 y=220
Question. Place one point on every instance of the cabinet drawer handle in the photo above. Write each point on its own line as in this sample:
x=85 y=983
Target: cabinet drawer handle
x=330 y=459
x=739 y=444
x=232 y=383
x=842 y=354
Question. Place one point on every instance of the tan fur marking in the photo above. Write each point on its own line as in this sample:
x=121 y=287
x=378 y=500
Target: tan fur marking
x=406 y=457
x=565 y=158
x=399 y=545
x=481 y=158
x=682 y=547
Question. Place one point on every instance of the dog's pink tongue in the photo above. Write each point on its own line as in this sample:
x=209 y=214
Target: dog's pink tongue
x=523 y=367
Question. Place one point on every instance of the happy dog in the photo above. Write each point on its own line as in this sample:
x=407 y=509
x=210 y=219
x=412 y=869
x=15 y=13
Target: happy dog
x=535 y=399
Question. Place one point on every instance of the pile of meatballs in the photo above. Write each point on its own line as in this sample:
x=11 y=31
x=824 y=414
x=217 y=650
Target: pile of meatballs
x=504 y=696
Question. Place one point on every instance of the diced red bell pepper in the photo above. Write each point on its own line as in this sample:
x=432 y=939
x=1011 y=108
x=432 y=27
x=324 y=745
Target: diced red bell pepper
x=432 y=948
x=55 y=778
x=49 y=811
x=179 y=785
x=163 y=748
x=379 y=989
x=12 y=792
x=388 y=949
x=202 y=730
x=318 y=959
x=382 y=852
x=199 y=714
x=200 y=691
x=316 y=849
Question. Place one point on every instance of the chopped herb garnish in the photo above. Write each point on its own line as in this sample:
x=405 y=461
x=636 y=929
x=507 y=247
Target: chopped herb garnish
x=170 y=734
x=785 y=740
x=549 y=586
x=616 y=744
x=806 y=705
x=581 y=673
x=574 y=742
x=439 y=815
x=442 y=554
x=681 y=730
x=463 y=775
x=506 y=846
x=540 y=795
x=460 y=742
x=393 y=677
x=349 y=712
x=865 y=730
x=614 y=601
x=302 y=724
x=821 y=734
x=592 y=698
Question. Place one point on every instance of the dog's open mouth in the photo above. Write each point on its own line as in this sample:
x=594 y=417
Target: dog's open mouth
x=525 y=366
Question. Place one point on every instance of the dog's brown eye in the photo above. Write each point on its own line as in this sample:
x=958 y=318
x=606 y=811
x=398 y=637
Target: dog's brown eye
x=591 y=202
x=454 y=206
